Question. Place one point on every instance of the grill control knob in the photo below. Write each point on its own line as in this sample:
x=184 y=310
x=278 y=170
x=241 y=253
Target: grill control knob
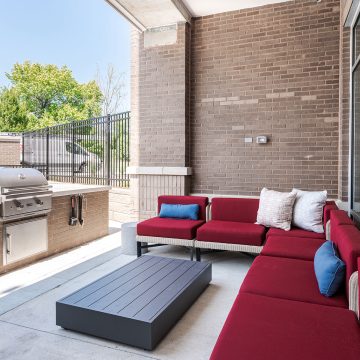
x=18 y=204
x=38 y=201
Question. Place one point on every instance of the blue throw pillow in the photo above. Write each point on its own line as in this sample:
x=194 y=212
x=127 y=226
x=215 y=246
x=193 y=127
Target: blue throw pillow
x=178 y=211
x=329 y=269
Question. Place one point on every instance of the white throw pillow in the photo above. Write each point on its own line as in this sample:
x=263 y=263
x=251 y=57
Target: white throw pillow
x=309 y=209
x=276 y=208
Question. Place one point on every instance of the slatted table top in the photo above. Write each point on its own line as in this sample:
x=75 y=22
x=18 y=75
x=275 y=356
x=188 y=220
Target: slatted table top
x=140 y=290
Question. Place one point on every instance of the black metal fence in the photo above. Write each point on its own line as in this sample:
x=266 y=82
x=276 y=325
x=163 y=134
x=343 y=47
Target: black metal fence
x=93 y=151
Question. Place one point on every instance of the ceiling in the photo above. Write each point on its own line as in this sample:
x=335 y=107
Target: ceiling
x=147 y=14
x=208 y=7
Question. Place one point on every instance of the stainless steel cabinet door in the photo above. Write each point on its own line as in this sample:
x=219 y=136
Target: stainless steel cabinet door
x=25 y=238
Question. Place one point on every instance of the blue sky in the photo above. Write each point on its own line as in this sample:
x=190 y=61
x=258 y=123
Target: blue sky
x=82 y=34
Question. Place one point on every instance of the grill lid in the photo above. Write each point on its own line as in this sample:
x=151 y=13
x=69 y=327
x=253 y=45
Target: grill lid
x=21 y=177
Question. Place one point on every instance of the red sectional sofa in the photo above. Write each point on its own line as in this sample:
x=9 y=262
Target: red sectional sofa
x=280 y=299
x=279 y=313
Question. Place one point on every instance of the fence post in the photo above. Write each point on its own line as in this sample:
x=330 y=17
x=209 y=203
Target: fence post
x=73 y=150
x=22 y=150
x=47 y=152
x=108 y=148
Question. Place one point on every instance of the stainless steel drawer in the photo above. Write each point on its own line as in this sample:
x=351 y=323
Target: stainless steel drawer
x=24 y=238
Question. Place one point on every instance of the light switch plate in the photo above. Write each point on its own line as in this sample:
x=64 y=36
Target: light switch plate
x=261 y=139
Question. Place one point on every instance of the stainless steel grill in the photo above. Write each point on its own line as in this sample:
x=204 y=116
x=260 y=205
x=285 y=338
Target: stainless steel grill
x=24 y=193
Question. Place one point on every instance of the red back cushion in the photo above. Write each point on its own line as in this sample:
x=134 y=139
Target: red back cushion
x=234 y=209
x=202 y=201
x=359 y=280
x=347 y=240
x=340 y=217
x=330 y=205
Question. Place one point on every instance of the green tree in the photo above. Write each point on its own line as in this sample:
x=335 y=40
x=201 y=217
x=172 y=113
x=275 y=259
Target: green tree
x=13 y=113
x=45 y=95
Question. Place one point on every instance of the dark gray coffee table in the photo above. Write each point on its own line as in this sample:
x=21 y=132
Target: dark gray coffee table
x=136 y=304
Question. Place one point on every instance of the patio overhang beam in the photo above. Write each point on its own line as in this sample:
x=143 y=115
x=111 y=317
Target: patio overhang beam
x=123 y=11
x=150 y=14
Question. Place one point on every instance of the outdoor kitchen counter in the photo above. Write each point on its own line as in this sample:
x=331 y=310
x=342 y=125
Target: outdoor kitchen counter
x=63 y=189
x=62 y=236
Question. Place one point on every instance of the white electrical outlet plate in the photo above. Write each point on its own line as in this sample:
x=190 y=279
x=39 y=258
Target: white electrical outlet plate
x=261 y=139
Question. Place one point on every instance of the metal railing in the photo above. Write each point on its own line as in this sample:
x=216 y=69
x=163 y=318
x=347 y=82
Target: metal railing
x=93 y=151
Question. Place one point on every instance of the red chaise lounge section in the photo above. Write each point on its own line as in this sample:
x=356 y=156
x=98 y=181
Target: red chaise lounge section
x=280 y=298
x=266 y=328
x=172 y=231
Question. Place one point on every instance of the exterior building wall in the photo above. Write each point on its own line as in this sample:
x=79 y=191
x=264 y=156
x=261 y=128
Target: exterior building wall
x=273 y=71
x=9 y=150
x=122 y=205
x=200 y=103
x=160 y=119
x=163 y=92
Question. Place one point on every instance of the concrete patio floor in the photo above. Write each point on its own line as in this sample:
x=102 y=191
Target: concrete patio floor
x=27 y=310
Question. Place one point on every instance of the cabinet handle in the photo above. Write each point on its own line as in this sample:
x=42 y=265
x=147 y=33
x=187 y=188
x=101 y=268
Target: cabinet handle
x=8 y=243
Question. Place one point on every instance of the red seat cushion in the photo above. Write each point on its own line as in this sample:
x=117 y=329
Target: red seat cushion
x=295 y=232
x=289 y=279
x=259 y=328
x=234 y=209
x=292 y=247
x=202 y=201
x=231 y=232
x=169 y=228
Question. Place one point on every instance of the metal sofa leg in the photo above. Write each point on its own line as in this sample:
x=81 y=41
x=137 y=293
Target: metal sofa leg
x=138 y=248
x=198 y=254
x=192 y=253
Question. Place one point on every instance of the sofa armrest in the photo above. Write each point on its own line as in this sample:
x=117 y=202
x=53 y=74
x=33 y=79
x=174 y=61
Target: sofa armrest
x=328 y=230
x=354 y=293
x=208 y=212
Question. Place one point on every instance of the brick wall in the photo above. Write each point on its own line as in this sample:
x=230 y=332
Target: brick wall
x=9 y=150
x=274 y=71
x=96 y=221
x=122 y=205
x=162 y=98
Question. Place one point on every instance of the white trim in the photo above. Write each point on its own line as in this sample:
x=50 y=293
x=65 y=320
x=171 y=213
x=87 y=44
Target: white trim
x=229 y=247
x=354 y=293
x=123 y=11
x=164 y=240
x=183 y=10
x=350 y=169
x=159 y=170
x=352 y=13
x=350 y=192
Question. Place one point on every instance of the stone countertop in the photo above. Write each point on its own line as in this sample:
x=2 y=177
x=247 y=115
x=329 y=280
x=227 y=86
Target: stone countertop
x=64 y=189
